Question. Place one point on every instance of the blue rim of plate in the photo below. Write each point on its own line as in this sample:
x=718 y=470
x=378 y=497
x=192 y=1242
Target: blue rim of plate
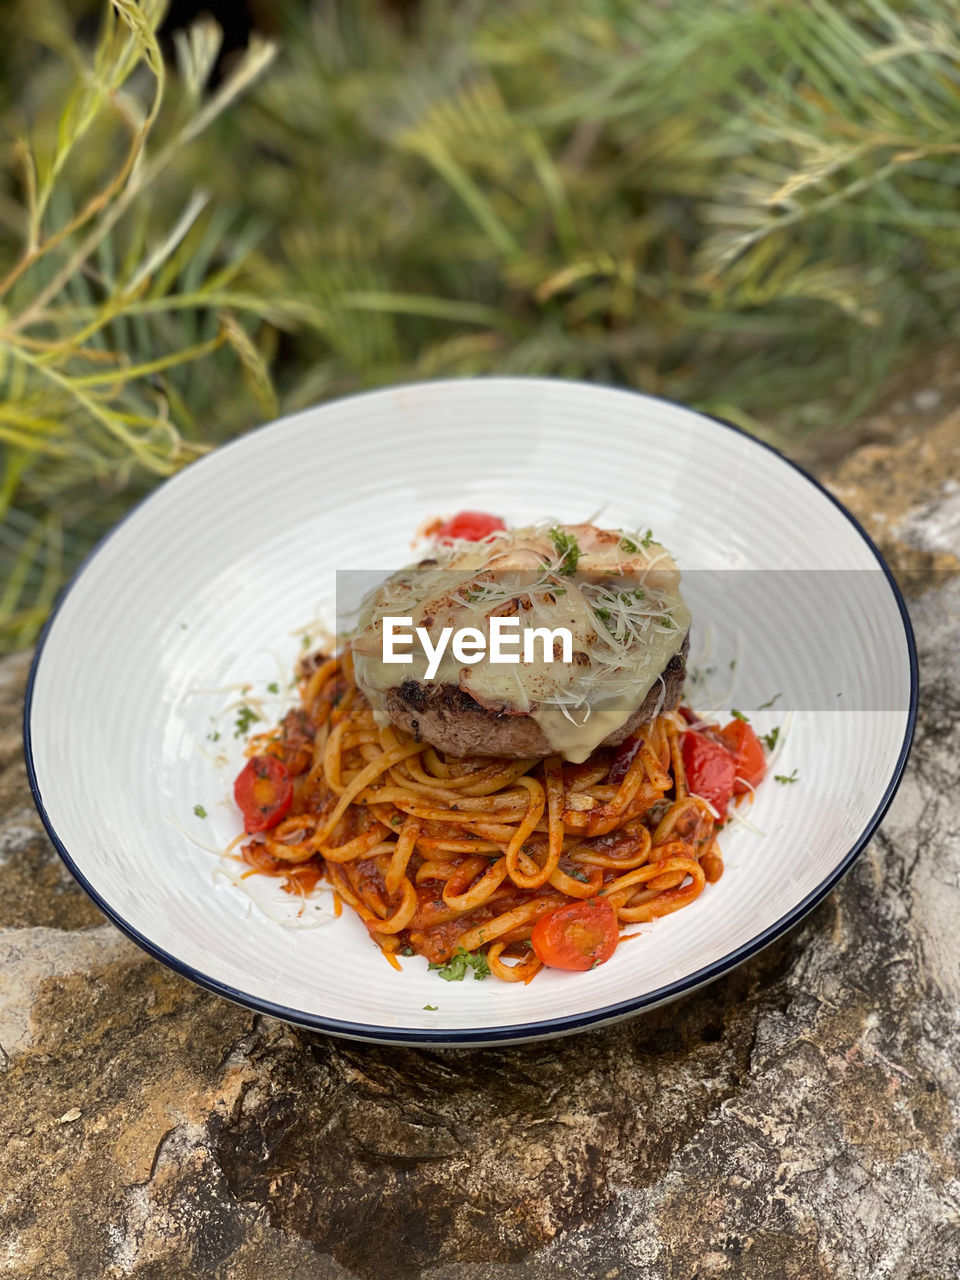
x=547 y=1027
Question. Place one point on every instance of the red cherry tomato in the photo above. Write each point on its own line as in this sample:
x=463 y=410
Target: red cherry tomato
x=470 y=525
x=710 y=768
x=747 y=751
x=578 y=936
x=263 y=792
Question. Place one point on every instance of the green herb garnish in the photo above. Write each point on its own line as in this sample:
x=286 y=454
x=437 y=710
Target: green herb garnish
x=246 y=716
x=769 y=702
x=771 y=738
x=602 y=614
x=273 y=687
x=432 y=1008
x=568 y=549
x=785 y=777
x=455 y=969
x=738 y=715
x=199 y=810
x=628 y=545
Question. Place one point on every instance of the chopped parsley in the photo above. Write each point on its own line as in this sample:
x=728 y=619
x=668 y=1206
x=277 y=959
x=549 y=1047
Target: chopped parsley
x=633 y=545
x=432 y=1008
x=246 y=716
x=305 y=640
x=769 y=702
x=199 y=810
x=785 y=777
x=579 y=875
x=273 y=687
x=738 y=715
x=602 y=614
x=214 y=737
x=771 y=738
x=455 y=970
x=568 y=550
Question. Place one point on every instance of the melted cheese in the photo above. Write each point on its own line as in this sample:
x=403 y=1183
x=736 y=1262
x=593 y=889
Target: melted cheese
x=621 y=603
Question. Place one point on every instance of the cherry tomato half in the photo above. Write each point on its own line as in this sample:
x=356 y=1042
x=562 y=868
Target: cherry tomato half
x=747 y=750
x=263 y=792
x=578 y=936
x=710 y=768
x=470 y=525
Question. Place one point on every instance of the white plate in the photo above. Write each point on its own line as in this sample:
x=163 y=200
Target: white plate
x=209 y=584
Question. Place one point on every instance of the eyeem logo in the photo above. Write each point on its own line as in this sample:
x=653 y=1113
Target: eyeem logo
x=469 y=645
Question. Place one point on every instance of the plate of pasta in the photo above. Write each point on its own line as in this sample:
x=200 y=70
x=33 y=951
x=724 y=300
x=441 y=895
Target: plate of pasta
x=472 y=712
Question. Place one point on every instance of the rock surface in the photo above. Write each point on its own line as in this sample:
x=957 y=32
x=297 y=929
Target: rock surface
x=799 y=1118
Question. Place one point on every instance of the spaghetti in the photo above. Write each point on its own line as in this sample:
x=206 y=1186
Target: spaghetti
x=459 y=859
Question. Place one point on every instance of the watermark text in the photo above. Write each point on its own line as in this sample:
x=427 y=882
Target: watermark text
x=468 y=645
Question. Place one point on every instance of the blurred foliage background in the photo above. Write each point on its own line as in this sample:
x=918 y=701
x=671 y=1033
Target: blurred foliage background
x=747 y=205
